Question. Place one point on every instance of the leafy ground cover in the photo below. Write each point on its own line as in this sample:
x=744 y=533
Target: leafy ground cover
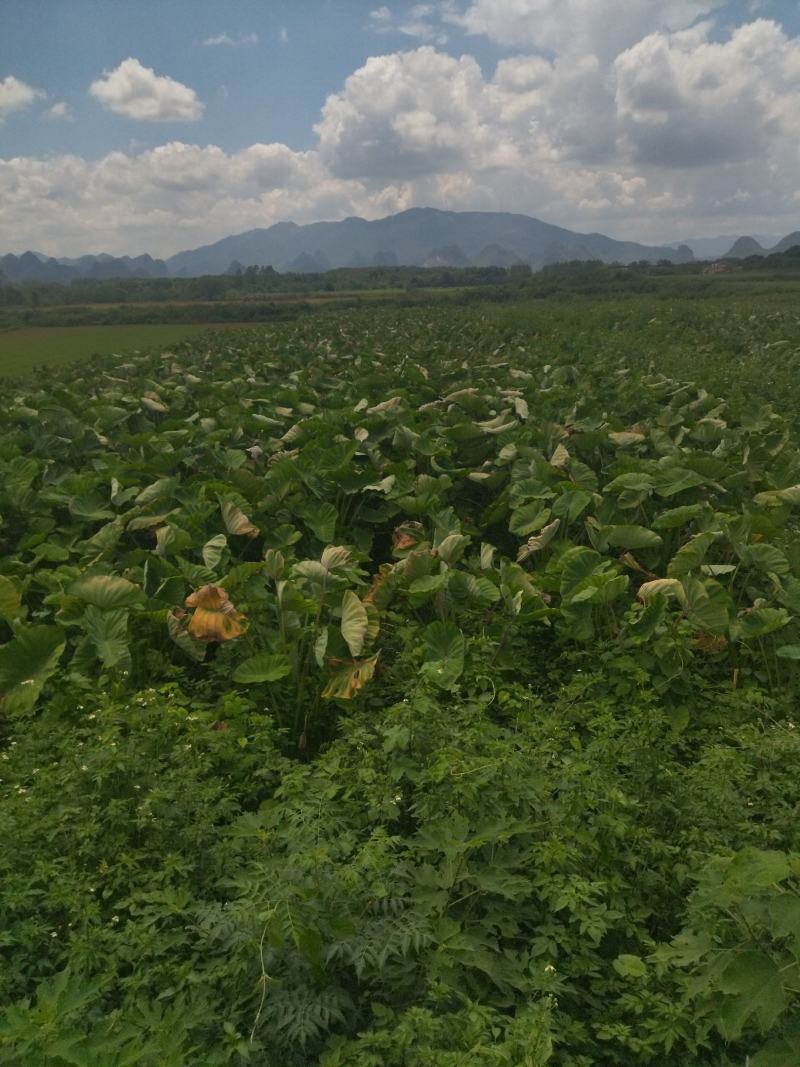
x=406 y=689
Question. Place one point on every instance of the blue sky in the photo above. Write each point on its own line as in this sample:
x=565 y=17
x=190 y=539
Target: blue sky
x=642 y=118
x=268 y=89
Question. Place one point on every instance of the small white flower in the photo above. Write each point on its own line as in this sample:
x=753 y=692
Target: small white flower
x=84 y=767
x=115 y=918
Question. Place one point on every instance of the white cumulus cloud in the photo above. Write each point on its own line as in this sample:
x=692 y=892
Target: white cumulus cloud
x=599 y=27
x=420 y=22
x=137 y=92
x=231 y=40
x=686 y=101
x=404 y=115
x=59 y=112
x=16 y=95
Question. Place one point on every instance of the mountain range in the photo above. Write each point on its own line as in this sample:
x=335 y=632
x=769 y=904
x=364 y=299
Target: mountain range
x=417 y=237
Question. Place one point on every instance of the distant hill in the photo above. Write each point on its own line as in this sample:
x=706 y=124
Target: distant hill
x=413 y=238
x=496 y=256
x=790 y=241
x=417 y=237
x=34 y=267
x=717 y=247
x=744 y=247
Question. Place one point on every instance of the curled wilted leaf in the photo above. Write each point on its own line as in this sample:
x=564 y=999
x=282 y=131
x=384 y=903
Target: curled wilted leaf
x=536 y=544
x=711 y=642
x=349 y=678
x=387 y=407
x=623 y=438
x=214 y=617
x=236 y=522
x=406 y=535
x=380 y=592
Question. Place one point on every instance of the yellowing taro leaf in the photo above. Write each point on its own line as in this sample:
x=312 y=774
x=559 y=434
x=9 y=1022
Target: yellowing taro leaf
x=407 y=535
x=560 y=458
x=711 y=642
x=536 y=544
x=236 y=522
x=350 y=678
x=334 y=556
x=380 y=592
x=354 y=622
x=193 y=648
x=626 y=437
x=214 y=617
x=663 y=586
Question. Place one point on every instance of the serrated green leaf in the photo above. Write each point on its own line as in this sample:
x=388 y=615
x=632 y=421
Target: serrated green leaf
x=630 y=966
x=756 y=982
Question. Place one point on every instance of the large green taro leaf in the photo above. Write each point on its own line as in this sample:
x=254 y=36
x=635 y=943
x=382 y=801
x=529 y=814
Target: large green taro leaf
x=26 y=663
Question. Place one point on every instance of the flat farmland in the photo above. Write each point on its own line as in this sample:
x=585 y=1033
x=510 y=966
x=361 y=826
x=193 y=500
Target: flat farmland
x=22 y=350
x=405 y=672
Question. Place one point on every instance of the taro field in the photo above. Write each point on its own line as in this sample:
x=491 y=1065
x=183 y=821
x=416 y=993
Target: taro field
x=405 y=690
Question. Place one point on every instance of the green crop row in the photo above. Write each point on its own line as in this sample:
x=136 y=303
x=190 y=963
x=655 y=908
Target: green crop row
x=375 y=690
